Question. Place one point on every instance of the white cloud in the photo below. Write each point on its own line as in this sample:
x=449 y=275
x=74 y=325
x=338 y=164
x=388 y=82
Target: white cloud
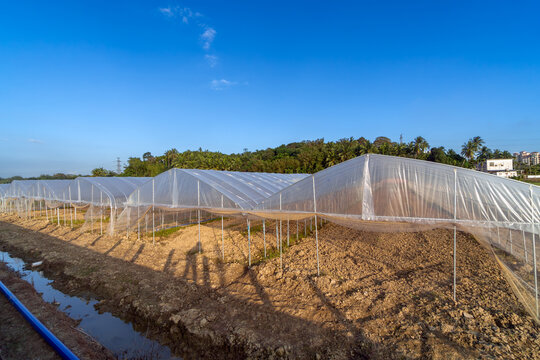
x=35 y=141
x=167 y=11
x=208 y=37
x=185 y=15
x=211 y=59
x=221 y=84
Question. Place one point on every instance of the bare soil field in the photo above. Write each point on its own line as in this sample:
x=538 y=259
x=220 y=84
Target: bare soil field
x=379 y=295
x=18 y=340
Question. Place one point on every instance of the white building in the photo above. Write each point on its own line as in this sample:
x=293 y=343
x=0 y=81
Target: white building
x=528 y=158
x=535 y=158
x=499 y=167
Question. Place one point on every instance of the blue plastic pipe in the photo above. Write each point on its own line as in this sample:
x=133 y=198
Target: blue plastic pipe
x=56 y=344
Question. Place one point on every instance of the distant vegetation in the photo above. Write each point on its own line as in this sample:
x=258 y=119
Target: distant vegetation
x=304 y=157
x=59 y=176
x=308 y=156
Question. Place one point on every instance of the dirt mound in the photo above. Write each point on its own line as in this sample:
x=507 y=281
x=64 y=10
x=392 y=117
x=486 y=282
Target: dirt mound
x=379 y=295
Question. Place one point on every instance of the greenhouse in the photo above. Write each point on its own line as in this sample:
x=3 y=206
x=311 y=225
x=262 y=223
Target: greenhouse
x=43 y=195
x=175 y=193
x=384 y=193
x=99 y=197
x=371 y=192
x=3 y=192
x=229 y=191
x=48 y=190
x=17 y=196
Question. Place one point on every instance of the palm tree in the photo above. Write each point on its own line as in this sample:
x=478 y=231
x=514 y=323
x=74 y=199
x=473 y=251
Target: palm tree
x=484 y=153
x=478 y=141
x=419 y=146
x=468 y=149
x=170 y=156
x=471 y=147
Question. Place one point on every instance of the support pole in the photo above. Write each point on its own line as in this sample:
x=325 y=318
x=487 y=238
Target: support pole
x=101 y=212
x=510 y=236
x=92 y=210
x=533 y=223
x=316 y=232
x=111 y=215
x=153 y=216
x=287 y=232
x=199 y=211
x=524 y=246
x=222 y=237
x=455 y=242
x=58 y=215
x=277 y=236
x=128 y=210
x=296 y=230
x=249 y=243
x=498 y=236
x=264 y=237
x=280 y=237
x=138 y=214
x=70 y=208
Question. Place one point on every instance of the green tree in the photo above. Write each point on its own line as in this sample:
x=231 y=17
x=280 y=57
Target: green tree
x=102 y=172
x=420 y=145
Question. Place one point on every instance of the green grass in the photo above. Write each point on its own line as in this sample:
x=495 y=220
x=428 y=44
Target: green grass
x=172 y=230
x=76 y=223
x=167 y=232
x=67 y=222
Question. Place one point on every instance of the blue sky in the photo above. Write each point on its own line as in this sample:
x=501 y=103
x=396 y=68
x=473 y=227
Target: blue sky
x=82 y=83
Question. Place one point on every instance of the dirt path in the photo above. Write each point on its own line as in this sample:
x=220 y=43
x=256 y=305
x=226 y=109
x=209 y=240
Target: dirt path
x=18 y=340
x=379 y=295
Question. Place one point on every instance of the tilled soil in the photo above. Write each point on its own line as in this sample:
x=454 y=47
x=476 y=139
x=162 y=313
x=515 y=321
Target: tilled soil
x=378 y=295
x=18 y=340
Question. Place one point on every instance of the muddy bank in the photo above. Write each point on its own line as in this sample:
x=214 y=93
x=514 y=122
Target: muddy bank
x=18 y=340
x=379 y=295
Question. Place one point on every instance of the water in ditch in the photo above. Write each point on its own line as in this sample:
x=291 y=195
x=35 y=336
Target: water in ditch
x=112 y=332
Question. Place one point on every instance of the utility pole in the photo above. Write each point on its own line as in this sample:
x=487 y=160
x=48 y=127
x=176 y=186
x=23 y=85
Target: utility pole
x=401 y=139
x=118 y=166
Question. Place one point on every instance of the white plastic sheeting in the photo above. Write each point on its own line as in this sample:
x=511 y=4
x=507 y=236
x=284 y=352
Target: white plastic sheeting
x=3 y=200
x=101 y=191
x=3 y=189
x=48 y=190
x=212 y=190
x=19 y=189
x=386 y=188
